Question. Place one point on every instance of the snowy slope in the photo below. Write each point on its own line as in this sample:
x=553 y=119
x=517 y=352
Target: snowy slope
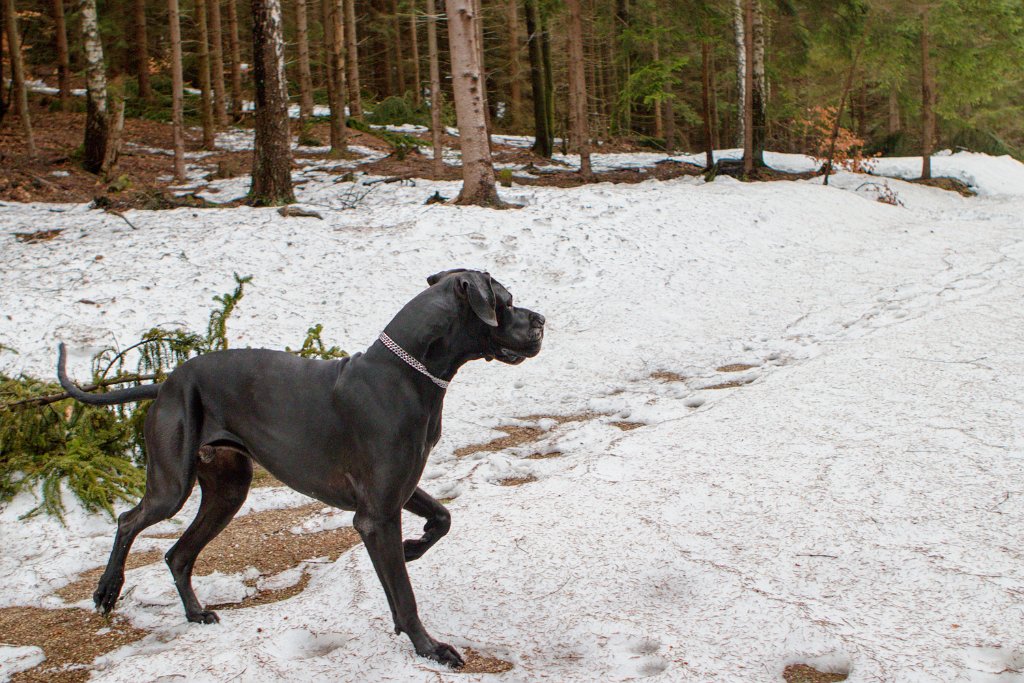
x=859 y=502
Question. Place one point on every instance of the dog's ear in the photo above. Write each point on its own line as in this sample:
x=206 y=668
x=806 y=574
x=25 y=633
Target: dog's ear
x=476 y=287
x=437 y=277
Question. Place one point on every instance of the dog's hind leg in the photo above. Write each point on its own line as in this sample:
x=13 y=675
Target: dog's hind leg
x=439 y=521
x=224 y=477
x=168 y=485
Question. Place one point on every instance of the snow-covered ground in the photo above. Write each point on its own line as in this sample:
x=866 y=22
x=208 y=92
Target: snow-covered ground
x=858 y=505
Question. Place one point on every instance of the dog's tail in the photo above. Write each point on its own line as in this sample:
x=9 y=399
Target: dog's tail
x=140 y=393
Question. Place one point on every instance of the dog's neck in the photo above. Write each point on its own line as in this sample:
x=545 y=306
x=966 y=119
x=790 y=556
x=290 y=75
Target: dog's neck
x=431 y=330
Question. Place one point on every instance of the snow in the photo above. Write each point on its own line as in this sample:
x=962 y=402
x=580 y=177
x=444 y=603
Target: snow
x=15 y=659
x=857 y=505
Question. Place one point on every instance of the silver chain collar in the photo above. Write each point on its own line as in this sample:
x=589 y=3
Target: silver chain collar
x=410 y=361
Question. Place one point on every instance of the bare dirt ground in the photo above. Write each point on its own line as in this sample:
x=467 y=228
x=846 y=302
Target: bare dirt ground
x=73 y=638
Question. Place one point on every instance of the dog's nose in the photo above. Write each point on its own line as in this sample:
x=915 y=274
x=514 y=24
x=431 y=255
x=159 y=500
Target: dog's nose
x=536 y=320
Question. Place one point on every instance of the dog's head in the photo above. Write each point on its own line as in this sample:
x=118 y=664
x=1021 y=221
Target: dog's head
x=507 y=332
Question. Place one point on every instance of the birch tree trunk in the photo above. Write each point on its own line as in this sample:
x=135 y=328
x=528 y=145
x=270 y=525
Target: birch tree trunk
x=236 y=62
x=18 y=74
x=739 y=32
x=96 y=123
x=417 y=83
x=220 y=94
x=355 y=95
x=759 y=101
x=748 y=87
x=272 y=157
x=927 y=100
x=305 y=75
x=177 y=91
x=141 y=50
x=206 y=99
x=578 y=88
x=436 y=101
x=705 y=63
x=478 y=185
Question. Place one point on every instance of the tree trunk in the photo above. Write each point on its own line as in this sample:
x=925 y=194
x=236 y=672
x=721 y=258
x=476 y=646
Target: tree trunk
x=578 y=88
x=659 y=121
x=669 y=115
x=116 y=123
x=417 y=84
x=478 y=12
x=96 y=124
x=177 y=91
x=515 y=91
x=396 y=44
x=205 y=97
x=839 y=113
x=716 y=127
x=63 y=62
x=18 y=74
x=927 y=100
x=478 y=185
x=141 y=49
x=338 y=64
x=436 y=101
x=894 y=112
x=748 y=88
x=759 y=101
x=335 y=97
x=355 y=95
x=236 y=62
x=543 y=143
x=709 y=140
x=739 y=31
x=272 y=157
x=220 y=109
x=305 y=75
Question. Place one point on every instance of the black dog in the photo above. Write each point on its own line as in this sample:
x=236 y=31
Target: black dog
x=354 y=433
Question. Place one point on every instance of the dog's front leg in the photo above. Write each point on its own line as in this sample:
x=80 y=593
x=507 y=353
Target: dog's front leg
x=439 y=521
x=382 y=535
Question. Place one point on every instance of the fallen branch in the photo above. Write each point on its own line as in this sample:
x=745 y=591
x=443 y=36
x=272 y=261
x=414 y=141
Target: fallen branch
x=53 y=398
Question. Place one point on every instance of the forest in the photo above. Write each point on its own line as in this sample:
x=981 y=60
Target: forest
x=855 y=78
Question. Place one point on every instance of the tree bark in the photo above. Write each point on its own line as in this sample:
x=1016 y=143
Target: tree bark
x=894 y=112
x=927 y=100
x=96 y=123
x=305 y=74
x=578 y=88
x=141 y=48
x=478 y=186
x=543 y=143
x=748 y=87
x=220 y=94
x=236 y=62
x=436 y=101
x=739 y=31
x=18 y=74
x=515 y=91
x=177 y=91
x=759 y=101
x=417 y=83
x=709 y=139
x=355 y=95
x=839 y=113
x=63 y=61
x=338 y=64
x=396 y=44
x=116 y=123
x=334 y=83
x=205 y=97
x=272 y=157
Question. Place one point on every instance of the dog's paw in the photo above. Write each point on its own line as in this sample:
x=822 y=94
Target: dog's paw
x=414 y=549
x=106 y=594
x=444 y=654
x=203 y=617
